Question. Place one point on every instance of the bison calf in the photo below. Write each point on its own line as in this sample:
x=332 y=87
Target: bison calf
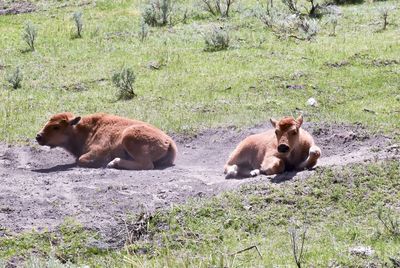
x=286 y=147
x=101 y=140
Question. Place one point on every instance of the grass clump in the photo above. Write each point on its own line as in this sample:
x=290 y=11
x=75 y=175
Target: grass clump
x=144 y=31
x=15 y=79
x=78 y=20
x=71 y=243
x=157 y=12
x=29 y=35
x=124 y=80
x=390 y=220
x=217 y=39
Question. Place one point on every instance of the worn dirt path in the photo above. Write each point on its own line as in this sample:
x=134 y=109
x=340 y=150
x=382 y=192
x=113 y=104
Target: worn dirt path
x=40 y=187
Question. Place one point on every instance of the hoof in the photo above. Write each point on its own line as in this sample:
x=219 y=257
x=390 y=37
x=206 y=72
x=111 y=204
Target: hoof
x=315 y=151
x=255 y=172
x=114 y=163
x=231 y=172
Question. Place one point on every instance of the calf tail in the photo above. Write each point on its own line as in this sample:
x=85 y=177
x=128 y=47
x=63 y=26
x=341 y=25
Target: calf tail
x=169 y=158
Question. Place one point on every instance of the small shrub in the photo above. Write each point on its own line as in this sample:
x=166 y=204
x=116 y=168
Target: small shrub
x=390 y=221
x=333 y=21
x=218 y=7
x=291 y=26
x=124 y=81
x=298 y=250
x=308 y=29
x=384 y=14
x=29 y=35
x=217 y=39
x=144 y=30
x=77 y=17
x=157 y=12
x=15 y=78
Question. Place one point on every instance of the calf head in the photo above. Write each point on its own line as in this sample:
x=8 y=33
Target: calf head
x=57 y=130
x=287 y=133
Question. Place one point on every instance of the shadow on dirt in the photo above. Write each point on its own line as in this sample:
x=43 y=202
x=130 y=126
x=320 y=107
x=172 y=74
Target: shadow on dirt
x=58 y=168
x=286 y=176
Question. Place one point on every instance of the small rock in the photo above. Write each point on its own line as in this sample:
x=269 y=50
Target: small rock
x=154 y=65
x=362 y=251
x=312 y=102
x=295 y=87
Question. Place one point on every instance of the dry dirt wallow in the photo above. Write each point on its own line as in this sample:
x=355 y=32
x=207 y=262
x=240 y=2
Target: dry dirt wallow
x=41 y=187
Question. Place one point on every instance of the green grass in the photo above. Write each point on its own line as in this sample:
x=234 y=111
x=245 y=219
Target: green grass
x=243 y=85
x=338 y=206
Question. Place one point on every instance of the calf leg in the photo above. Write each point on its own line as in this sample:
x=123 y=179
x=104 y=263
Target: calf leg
x=139 y=151
x=270 y=165
x=313 y=155
x=130 y=164
x=233 y=171
x=92 y=159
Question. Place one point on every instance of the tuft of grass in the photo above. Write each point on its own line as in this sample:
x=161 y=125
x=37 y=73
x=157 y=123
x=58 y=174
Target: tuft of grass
x=71 y=243
x=15 y=79
x=29 y=35
x=157 y=12
x=217 y=39
x=124 y=80
x=78 y=20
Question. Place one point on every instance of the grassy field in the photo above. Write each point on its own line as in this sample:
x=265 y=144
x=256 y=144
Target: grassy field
x=354 y=76
x=337 y=207
x=259 y=76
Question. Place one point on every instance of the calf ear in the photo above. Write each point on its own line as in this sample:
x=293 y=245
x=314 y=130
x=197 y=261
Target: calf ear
x=75 y=121
x=273 y=122
x=299 y=120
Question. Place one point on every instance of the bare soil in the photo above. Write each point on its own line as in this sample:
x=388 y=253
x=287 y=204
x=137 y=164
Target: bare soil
x=16 y=7
x=41 y=187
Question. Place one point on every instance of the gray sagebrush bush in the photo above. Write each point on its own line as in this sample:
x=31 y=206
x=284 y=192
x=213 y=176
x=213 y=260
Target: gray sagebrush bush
x=217 y=39
x=15 y=78
x=78 y=20
x=144 y=31
x=29 y=35
x=124 y=80
x=157 y=12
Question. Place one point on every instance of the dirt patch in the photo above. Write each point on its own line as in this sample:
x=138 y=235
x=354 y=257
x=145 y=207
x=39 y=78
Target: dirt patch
x=41 y=187
x=16 y=7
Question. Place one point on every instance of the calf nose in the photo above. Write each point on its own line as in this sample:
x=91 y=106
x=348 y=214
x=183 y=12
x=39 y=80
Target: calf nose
x=283 y=148
x=38 y=137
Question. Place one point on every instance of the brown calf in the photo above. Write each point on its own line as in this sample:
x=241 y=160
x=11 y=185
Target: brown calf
x=101 y=140
x=286 y=147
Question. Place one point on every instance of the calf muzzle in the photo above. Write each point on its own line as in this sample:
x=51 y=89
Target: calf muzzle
x=283 y=148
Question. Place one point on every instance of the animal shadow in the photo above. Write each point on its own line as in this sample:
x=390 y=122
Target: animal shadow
x=64 y=167
x=285 y=176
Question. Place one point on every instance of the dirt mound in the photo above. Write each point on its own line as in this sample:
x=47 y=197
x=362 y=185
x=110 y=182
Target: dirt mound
x=40 y=187
x=16 y=7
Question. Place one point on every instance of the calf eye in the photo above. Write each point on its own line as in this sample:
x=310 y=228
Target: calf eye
x=56 y=128
x=276 y=132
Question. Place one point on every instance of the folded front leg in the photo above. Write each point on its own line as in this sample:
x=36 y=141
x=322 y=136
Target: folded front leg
x=312 y=159
x=270 y=165
x=92 y=159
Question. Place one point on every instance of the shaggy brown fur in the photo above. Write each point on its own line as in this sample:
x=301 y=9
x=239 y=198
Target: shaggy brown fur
x=286 y=147
x=100 y=140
